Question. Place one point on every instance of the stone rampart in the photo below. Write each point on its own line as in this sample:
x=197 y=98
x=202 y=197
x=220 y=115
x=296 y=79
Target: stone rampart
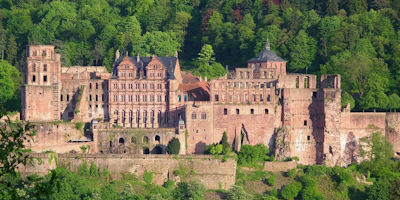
x=213 y=173
x=279 y=166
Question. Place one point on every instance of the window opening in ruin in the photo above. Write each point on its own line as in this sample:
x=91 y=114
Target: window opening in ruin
x=305 y=122
x=90 y=97
x=145 y=140
x=261 y=97
x=110 y=144
x=216 y=97
x=266 y=111
x=269 y=98
x=97 y=97
x=133 y=140
x=314 y=94
x=237 y=111
x=124 y=151
x=146 y=150
x=297 y=82
x=61 y=98
x=185 y=97
x=45 y=67
x=90 y=105
x=44 y=53
x=157 y=139
x=45 y=78
x=179 y=98
x=225 y=111
x=121 y=140
x=67 y=97
x=252 y=111
x=308 y=137
x=97 y=105
x=193 y=115
x=307 y=82
x=90 y=85
x=97 y=86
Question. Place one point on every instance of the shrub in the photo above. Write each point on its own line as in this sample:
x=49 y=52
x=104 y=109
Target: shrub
x=173 y=146
x=271 y=180
x=291 y=191
x=379 y=191
x=252 y=155
x=237 y=193
x=94 y=170
x=273 y=192
x=169 y=184
x=291 y=173
x=106 y=173
x=310 y=189
x=83 y=169
x=189 y=190
x=148 y=177
x=78 y=125
x=226 y=147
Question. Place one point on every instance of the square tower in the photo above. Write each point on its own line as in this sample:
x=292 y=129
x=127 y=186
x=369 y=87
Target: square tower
x=40 y=93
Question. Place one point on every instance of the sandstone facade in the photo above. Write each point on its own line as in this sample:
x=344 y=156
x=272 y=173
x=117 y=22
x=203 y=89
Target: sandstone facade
x=146 y=101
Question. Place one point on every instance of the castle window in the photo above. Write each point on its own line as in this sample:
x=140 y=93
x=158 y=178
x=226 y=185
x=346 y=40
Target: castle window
x=97 y=106
x=237 y=111
x=308 y=137
x=33 y=78
x=34 y=68
x=115 y=112
x=157 y=139
x=90 y=85
x=133 y=140
x=305 y=122
x=203 y=116
x=307 y=82
x=97 y=86
x=269 y=98
x=97 y=97
x=268 y=85
x=44 y=53
x=297 y=82
x=225 y=111
x=216 y=97
x=194 y=115
x=115 y=86
x=115 y=98
x=67 y=97
x=90 y=97
x=254 y=97
x=261 y=97
x=179 y=98
x=121 y=140
x=266 y=111
x=45 y=78
x=252 y=111
x=185 y=97
x=61 y=98
x=90 y=105
x=45 y=67
x=314 y=94
x=102 y=97
x=145 y=140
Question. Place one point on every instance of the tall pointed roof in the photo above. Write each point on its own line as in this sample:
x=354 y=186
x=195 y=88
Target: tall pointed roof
x=266 y=55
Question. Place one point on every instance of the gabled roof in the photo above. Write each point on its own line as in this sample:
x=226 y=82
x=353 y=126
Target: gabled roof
x=142 y=62
x=266 y=55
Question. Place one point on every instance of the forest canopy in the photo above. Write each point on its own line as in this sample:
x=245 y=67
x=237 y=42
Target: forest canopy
x=358 y=39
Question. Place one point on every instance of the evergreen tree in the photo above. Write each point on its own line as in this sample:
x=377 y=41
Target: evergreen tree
x=12 y=50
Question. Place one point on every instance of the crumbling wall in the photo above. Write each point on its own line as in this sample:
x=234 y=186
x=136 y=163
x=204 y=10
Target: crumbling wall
x=393 y=131
x=213 y=173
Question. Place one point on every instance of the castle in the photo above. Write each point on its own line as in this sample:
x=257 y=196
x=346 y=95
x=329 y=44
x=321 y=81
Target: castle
x=147 y=101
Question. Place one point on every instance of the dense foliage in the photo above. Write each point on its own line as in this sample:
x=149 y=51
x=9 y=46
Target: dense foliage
x=173 y=146
x=359 y=39
x=252 y=155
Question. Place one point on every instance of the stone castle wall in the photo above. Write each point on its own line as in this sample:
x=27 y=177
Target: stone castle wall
x=213 y=173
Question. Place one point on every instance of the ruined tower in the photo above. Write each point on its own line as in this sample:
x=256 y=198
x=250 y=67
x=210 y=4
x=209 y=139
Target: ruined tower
x=41 y=89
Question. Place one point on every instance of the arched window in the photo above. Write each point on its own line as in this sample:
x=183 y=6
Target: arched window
x=97 y=86
x=133 y=140
x=90 y=85
x=146 y=150
x=266 y=111
x=121 y=140
x=157 y=139
x=145 y=140
x=193 y=115
x=179 y=98
x=115 y=112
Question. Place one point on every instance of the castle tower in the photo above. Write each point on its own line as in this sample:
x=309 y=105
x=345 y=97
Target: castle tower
x=41 y=90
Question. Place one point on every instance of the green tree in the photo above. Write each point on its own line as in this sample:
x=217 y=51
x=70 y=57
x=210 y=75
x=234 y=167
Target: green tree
x=10 y=80
x=348 y=99
x=252 y=155
x=148 y=177
x=237 y=193
x=291 y=191
x=12 y=49
x=173 y=146
x=356 y=6
x=94 y=170
x=226 y=147
x=303 y=51
x=379 y=191
x=192 y=190
x=207 y=67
